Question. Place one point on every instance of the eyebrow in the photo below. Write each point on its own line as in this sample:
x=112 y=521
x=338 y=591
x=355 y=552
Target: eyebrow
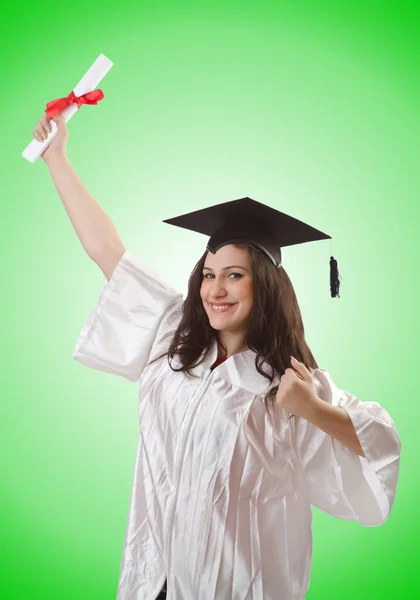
x=226 y=268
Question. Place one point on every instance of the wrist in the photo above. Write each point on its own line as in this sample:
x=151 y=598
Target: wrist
x=57 y=158
x=314 y=408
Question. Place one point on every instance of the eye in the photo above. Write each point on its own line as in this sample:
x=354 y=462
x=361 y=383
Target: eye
x=211 y=276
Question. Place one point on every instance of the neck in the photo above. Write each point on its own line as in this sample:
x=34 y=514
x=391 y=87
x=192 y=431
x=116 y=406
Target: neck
x=233 y=342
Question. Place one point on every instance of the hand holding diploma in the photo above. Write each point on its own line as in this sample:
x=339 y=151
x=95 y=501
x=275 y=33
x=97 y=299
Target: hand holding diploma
x=58 y=144
x=83 y=93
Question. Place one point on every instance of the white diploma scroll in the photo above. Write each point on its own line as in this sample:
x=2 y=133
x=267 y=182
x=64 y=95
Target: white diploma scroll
x=88 y=83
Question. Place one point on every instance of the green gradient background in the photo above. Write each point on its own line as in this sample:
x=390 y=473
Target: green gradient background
x=311 y=109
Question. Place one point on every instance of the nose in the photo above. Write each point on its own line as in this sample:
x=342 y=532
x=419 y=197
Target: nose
x=218 y=288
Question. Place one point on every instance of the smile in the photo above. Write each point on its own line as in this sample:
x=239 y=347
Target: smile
x=221 y=308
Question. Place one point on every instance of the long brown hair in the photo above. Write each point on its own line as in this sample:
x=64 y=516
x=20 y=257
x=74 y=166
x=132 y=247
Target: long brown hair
x=275 y=330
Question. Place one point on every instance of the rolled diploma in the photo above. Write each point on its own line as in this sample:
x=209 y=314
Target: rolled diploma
x=87 y=84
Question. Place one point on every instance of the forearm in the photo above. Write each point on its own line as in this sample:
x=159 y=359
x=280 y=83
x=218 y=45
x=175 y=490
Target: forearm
x=92 y=225
x=336 y=422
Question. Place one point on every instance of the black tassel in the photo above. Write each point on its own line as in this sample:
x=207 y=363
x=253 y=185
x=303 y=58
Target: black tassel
x=335 y=278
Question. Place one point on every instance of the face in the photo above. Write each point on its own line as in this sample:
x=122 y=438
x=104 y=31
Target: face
x=226 y=289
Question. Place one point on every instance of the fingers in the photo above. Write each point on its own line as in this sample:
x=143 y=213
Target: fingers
x=290 y=375
x=289 y=372
x=43 y=128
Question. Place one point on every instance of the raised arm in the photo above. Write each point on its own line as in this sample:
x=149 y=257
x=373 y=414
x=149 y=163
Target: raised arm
x=94 y=228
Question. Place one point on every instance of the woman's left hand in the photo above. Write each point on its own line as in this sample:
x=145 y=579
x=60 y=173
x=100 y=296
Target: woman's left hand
x=297 y=391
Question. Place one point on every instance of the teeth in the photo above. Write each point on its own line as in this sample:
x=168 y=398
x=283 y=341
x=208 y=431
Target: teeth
x=221 y=307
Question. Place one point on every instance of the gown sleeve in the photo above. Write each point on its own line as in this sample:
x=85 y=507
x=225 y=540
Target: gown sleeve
x=338 y=481
x=133 y=322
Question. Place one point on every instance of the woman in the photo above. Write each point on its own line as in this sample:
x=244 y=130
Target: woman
x=240 y=431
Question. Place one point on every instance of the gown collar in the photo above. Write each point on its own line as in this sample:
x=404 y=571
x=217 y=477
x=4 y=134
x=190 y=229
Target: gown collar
x=239 y=370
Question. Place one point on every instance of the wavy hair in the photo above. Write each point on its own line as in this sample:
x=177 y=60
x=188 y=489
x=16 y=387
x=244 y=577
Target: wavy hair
x=275 y=330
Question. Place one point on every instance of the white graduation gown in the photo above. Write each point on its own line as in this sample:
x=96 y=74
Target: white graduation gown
x=222 y=492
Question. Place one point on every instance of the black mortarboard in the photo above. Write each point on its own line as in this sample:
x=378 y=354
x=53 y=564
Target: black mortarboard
x=248 y=221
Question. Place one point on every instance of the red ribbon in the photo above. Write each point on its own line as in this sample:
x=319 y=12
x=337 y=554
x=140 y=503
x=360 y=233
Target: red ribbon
x=56 y=106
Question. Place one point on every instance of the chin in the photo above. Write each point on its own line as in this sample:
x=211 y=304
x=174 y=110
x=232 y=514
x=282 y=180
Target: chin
x=232 y=328
x=220 y=323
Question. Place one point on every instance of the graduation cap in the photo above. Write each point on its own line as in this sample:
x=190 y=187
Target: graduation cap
x=251 y=222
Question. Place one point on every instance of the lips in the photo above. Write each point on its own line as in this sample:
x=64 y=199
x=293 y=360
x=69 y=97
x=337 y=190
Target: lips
x=221 y=308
